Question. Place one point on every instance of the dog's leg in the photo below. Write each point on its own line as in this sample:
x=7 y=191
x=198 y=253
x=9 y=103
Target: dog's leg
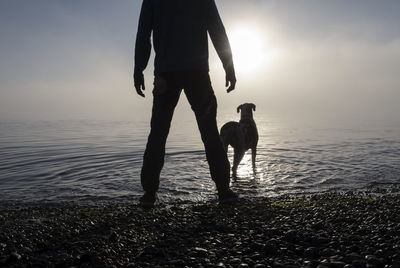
x=238 y=156
x=253 y=158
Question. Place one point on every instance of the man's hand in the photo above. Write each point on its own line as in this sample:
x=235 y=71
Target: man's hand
x=230 y=79
x=139 y=84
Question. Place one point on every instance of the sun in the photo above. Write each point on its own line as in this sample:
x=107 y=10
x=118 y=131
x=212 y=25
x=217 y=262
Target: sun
x=249 y=49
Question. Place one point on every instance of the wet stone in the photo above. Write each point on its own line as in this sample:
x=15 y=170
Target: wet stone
x=311 y=253
x=299 y=250
x=372 y=259
x=256 y=256
x=43 y=260
x=259 y=265
x=328 y=252
x=271 y=247
x=325 y=261
x=337 y=264
x=201 y=252
x=235 y=261
x=352 y=257
x=359 y=263
x=319 y=240
x=177 y=262
x=336 y=258
x=291 y=236
x=13 y=257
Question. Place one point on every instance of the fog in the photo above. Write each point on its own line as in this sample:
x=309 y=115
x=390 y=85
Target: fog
x=74 y=60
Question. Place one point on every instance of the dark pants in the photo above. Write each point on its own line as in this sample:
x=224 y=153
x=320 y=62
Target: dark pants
x=199 y=92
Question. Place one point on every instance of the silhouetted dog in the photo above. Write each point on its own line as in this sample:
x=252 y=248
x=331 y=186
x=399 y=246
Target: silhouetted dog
x=241 y=136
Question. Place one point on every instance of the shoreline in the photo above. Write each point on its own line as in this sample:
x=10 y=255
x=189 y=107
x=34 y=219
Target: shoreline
x=353 y=229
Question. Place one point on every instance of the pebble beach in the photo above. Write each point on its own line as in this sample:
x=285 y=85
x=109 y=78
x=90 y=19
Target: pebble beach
x=348 y=229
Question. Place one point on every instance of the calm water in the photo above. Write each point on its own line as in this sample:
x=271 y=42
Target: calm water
x=95 y=160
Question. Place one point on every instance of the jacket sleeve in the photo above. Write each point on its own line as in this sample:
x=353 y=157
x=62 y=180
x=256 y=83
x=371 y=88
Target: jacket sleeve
x=218 y=35
x=143 y=43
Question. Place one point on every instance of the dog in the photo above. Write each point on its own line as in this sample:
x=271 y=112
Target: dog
x=242 y=135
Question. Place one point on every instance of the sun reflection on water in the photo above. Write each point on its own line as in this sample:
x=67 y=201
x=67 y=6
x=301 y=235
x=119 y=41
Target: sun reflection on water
x=245 y=168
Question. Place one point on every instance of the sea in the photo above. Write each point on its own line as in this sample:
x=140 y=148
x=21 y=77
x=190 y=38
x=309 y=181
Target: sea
x=100 y=160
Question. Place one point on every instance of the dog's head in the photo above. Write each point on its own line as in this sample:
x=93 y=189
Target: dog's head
x=246 y=109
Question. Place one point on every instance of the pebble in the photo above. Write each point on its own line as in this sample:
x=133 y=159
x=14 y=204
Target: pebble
x=271 y=247
x=253 y=234
x=201 y=252
x=359 y=263
x=337 y=264
x=13 y=257
x=311 y=253
x=328 y=252
x=235 y=261
x=177 y=262
x=372 y=259
x=291 y=236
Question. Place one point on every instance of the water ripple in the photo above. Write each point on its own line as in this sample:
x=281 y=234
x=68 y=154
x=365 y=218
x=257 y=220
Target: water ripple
x=101 y=161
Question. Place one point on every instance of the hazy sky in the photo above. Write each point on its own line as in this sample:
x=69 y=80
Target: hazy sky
x=62 y=59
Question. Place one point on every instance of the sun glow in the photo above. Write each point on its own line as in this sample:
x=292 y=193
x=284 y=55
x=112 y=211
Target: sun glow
x=249 y=50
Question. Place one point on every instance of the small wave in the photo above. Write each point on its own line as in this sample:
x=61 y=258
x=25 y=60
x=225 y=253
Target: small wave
x=84 y=162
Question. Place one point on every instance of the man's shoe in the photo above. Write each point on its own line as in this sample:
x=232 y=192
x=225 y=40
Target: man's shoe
x=148 y=200
x=227 y=197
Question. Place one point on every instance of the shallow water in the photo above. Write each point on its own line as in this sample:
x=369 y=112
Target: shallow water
x=98 y=160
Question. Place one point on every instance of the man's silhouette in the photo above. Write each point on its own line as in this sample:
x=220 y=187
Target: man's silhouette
x=180 y=42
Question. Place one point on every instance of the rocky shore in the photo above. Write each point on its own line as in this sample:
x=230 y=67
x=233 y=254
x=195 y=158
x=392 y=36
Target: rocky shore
x=319 y=230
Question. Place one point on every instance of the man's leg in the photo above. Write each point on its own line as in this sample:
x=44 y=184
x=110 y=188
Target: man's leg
x=201 y=97
x=166 y=96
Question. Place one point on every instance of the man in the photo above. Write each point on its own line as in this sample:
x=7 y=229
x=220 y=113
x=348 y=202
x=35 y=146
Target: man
x=180 y=41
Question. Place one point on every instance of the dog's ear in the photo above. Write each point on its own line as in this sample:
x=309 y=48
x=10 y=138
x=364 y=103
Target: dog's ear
x=253 y=106
x=239 y=107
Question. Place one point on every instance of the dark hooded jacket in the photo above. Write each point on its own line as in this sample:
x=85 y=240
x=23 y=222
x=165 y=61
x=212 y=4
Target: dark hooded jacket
x=180 y=38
